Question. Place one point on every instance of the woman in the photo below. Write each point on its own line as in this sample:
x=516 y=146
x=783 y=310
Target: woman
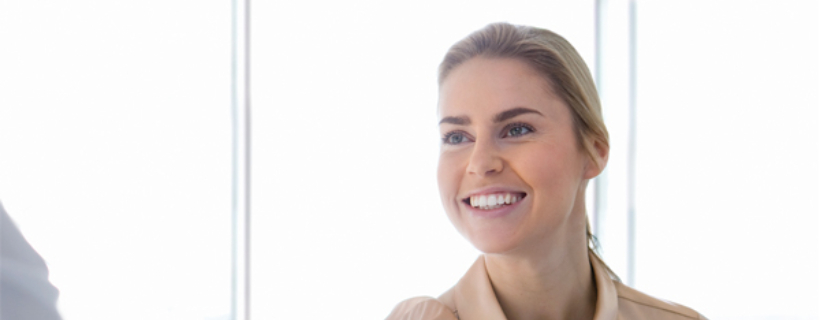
x=522 y=134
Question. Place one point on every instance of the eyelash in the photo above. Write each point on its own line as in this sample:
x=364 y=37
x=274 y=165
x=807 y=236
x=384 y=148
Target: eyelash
x=450 y=134
x=510 y=126
x=505 y=132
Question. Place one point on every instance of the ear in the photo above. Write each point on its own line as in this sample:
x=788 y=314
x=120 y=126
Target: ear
x=598 y=150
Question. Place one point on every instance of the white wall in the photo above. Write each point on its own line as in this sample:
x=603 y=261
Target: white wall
x=727 y=180
x=115 y=152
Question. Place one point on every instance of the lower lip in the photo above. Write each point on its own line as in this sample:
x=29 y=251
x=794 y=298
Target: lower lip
x=493 y=213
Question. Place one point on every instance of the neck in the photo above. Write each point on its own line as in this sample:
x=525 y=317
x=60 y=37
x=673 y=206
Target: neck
x=555 y=284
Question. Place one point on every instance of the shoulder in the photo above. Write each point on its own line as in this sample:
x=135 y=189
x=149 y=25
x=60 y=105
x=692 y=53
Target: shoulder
x=633 y=304
x=421 y=308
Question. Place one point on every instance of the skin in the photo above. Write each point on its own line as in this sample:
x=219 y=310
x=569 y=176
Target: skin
x=535 y=254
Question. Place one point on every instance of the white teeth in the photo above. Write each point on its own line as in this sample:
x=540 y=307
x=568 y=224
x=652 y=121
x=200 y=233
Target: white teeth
x=491 y=200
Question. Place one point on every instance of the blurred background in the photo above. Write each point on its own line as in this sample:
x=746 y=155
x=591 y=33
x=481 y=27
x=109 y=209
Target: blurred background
x=115 y=131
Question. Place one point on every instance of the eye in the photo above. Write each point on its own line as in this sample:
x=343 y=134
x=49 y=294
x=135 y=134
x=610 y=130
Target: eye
x=517 y=130
x=454 y=138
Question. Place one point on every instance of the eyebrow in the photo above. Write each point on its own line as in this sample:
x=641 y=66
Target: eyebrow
x=506 y=115
x=512 y=113
x=455 y=120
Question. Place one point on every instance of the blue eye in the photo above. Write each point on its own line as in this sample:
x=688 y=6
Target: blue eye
x=518 y=129
x=454 y=138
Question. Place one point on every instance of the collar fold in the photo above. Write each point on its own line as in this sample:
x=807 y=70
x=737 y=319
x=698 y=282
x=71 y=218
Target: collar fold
x=475 y=299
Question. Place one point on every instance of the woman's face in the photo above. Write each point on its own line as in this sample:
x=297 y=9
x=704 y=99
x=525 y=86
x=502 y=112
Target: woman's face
x=511 y=173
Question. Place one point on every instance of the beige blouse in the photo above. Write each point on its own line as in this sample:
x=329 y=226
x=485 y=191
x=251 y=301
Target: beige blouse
x=473 y=299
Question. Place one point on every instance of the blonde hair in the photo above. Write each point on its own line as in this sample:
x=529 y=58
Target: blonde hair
x=559 y=63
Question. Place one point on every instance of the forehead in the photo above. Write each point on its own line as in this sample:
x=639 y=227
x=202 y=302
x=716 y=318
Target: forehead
x=485 y=86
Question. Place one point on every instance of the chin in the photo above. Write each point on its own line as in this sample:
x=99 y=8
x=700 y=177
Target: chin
x=493 y=241
x=493 y=236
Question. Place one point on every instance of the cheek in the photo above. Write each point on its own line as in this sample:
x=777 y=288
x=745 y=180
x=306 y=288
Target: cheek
x=554 y=172
x=449 y=179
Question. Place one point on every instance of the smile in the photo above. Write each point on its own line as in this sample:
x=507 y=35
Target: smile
x=493 y=201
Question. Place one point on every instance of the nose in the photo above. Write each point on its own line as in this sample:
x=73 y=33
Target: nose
x=485 y=160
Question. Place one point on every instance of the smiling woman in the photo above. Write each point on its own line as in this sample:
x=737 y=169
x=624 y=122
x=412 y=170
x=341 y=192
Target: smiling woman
x=531 y=154
x=522 y=135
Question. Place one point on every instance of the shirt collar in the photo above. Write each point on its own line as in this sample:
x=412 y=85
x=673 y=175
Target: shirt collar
x=475 y=299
